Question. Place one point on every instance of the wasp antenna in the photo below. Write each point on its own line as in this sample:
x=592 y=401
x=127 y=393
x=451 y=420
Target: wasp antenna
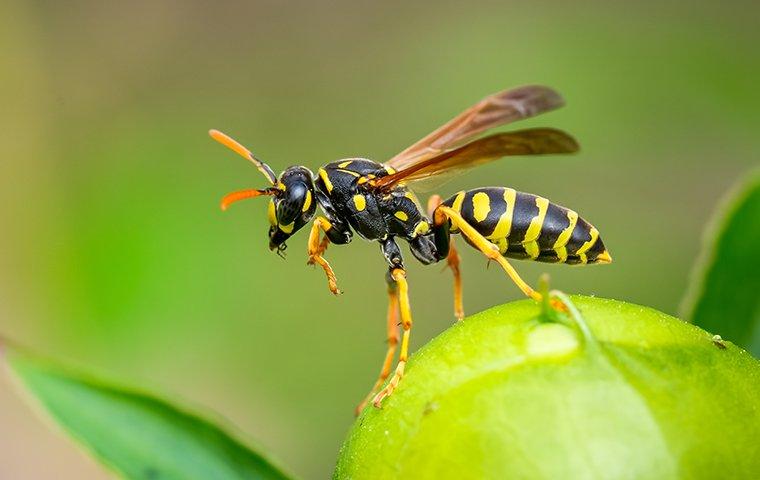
x=238 y=148
x=233 y=197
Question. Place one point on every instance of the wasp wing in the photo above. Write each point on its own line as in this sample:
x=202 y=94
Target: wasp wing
x=497 y=109
x=532 y=141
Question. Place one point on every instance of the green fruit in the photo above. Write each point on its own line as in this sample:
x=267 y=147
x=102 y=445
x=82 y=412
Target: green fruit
x=506 y=394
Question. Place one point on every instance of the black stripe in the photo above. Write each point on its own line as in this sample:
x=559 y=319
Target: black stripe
x=467 y=211
x=581 y=234
x=498 y=208
x=517 y=251
x=555 y=223
x=548 y=256
x=525 y=211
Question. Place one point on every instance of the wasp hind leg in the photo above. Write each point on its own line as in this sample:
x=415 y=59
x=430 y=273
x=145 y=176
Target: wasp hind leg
x=444 y=214
x=392 y=326
x=452 y=261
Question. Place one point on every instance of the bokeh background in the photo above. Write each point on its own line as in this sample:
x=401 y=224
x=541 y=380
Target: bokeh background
x=114 y=253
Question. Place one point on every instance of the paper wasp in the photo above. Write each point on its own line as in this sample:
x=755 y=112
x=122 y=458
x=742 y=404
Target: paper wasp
x=373 y=199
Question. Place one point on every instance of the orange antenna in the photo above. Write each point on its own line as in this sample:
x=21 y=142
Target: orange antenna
x=233 y=197
x=236 y=147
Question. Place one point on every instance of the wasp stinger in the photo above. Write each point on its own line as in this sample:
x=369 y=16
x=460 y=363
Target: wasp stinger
x=373 y=199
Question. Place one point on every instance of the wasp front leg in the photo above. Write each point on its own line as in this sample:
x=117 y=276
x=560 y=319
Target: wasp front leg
x=336 y=234
x=452 y=261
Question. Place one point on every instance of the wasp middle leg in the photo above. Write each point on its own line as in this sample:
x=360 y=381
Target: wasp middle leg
x=399 y=277
x=392 y=328
x=452 y=261
x=397 y=281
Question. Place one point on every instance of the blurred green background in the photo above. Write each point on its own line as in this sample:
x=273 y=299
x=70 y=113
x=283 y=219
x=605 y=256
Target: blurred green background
x=114 y=253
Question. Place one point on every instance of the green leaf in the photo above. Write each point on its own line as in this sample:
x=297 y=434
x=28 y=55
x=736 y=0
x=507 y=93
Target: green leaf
x=135 y=433
x=724 y=296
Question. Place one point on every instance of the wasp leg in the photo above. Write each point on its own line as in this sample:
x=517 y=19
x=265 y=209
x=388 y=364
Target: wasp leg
x=491 y=251
x=392 y=341
x=399 y=276
x=317 y=248
x=452 y=260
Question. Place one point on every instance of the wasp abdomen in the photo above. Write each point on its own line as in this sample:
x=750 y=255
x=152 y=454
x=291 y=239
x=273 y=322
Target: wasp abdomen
x=530 y=227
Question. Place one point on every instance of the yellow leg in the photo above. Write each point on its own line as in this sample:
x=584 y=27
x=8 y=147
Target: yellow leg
x=399 y=275
x=317 y=248
x=452 y=261
x=488 y=249
x=392 y=329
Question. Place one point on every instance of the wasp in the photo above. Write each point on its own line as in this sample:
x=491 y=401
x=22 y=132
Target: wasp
x=375 y=201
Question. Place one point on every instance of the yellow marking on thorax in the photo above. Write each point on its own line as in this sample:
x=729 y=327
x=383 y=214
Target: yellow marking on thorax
x=584 y=248
x=345 y=164
x=307 y=202
x=504 y=225
x=481 y=205
x=389 y=169
x=350 y=172
x=362 y=180
x=326 y=179
x=421 y=228
x=287 y=228
x=401 y=216
x=281 y=186
x=360 y=202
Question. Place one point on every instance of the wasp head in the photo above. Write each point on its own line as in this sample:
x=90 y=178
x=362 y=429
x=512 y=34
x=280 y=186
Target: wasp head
x=292 y=206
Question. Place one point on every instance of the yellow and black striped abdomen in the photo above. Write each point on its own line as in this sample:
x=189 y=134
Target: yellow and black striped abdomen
x=527 y=226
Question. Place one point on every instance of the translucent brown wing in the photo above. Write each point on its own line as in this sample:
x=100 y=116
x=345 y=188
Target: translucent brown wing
x=533 y=141
x=497 y=109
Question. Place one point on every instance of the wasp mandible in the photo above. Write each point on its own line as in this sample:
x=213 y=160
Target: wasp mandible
x=374 y=200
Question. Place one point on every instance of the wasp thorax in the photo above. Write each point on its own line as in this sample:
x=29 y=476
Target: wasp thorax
x=292 y=206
